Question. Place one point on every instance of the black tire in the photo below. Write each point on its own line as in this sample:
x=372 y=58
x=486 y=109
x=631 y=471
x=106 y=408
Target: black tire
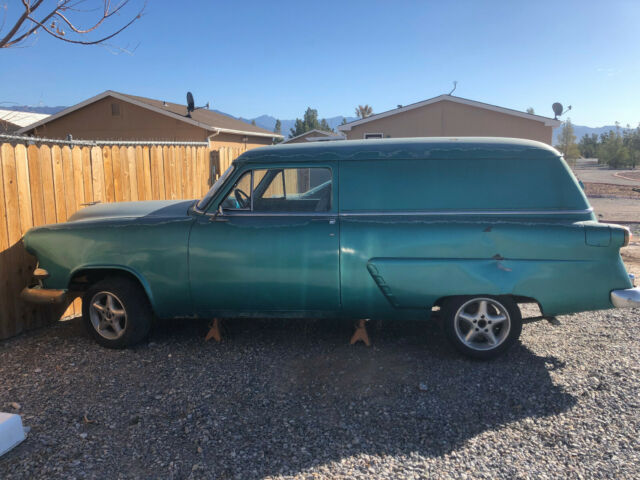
x=504 y=332
x=117 y=331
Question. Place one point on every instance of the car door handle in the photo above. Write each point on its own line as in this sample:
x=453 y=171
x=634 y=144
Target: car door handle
x=330 y=221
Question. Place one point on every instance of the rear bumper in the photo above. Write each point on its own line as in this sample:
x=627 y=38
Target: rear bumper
x=628 y=298
x=43 y=296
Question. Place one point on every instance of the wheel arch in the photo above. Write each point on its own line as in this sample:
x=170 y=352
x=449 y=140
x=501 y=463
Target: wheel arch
x=81 y=278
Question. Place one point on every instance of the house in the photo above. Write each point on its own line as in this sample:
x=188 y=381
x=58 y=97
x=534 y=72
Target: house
x=11 y=120
x=449 y=116
x=118 y=116
x=315 y=136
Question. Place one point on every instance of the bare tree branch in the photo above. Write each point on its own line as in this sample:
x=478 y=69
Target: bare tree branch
x=61 y=16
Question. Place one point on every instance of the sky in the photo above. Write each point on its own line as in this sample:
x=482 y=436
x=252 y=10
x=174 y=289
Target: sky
x=249 y=58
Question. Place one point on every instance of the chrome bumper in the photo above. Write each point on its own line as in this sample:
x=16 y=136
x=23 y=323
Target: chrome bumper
x=43 y=296
x=629 y=298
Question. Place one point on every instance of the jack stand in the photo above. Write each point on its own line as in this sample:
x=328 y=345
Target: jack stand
x=360 y=334
x=214 y=332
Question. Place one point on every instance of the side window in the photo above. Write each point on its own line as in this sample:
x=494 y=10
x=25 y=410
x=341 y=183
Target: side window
x=239 y=197
x=292 y=190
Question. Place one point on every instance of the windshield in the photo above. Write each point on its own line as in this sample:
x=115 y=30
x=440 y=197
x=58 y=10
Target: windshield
x=202 y=204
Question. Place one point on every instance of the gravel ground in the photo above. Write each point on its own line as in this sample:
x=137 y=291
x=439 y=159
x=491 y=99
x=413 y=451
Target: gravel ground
x=290 y=399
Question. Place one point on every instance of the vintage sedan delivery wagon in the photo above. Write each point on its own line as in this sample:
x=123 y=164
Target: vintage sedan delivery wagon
x=356 y=229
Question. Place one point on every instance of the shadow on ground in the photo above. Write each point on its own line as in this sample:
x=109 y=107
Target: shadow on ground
x=276 y=397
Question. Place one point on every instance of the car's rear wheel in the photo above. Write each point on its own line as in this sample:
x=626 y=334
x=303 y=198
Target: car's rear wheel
x=481 y=326
x=116 y=312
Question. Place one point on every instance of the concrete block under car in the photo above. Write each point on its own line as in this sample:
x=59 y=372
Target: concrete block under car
x=11 y=431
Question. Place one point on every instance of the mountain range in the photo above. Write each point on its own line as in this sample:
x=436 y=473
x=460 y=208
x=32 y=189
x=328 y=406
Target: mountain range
x=268 y=122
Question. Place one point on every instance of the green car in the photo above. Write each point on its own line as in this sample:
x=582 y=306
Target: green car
x=385 y=229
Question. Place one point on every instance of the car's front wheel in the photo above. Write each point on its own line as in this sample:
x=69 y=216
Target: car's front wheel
x=483 y=326
x=116 y=312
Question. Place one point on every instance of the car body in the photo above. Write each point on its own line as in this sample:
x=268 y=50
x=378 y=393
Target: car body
x=356 y=229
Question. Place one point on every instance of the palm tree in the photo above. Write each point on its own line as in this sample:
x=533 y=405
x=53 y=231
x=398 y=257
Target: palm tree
x=364 y=111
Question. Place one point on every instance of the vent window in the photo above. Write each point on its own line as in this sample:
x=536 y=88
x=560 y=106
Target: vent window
x=115 y=109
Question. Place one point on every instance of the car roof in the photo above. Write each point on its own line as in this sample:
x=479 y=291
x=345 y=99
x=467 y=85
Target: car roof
x=400 y=148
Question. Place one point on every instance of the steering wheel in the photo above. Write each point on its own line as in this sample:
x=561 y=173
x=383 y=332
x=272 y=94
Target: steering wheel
x=242 y=198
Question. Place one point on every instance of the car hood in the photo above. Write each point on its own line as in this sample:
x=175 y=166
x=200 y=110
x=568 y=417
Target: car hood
x=126 y=210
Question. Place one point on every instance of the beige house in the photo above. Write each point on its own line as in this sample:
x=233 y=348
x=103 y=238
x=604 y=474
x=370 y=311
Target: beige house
x=315 y=136
x=118 y=116
x=449 y=116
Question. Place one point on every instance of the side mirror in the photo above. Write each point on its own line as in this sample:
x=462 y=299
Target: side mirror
x=219 y=211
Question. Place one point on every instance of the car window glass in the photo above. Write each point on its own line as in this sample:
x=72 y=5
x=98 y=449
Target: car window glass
x=239 y=197
x=292 y=190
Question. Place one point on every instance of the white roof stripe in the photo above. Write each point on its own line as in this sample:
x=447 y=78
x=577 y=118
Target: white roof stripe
x=549 y=122
x=22 y=119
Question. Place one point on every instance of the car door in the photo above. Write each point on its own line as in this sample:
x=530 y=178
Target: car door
x=271 y=246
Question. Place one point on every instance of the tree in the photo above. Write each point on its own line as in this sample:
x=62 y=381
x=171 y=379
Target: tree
x=364 y=111
x=531 y=111
x=253 y=122
x=82 y=22
x=278 y=128
x=324 y=125
x=309 y=122
x=567 y=142
x=612 y=150
x=344 y=121
x=631 y=140
x=588 y=146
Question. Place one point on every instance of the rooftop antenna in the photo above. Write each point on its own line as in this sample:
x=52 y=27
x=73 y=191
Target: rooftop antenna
x=455 y=85
x=191 y=105
x=558 y=110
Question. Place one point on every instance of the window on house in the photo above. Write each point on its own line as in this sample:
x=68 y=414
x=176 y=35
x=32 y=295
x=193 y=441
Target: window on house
x=373 y=135
x=115 y=109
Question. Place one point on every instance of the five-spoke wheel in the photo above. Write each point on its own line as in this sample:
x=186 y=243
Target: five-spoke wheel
x=483 y=326
x=116 y=312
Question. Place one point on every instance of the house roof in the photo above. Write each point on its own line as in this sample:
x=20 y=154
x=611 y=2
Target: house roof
x=549 y=122
x=315 y=135
x=203 y=118
x=21 y=119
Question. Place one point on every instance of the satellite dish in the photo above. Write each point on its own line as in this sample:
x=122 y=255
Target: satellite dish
x=557 y=109
x=190 y=104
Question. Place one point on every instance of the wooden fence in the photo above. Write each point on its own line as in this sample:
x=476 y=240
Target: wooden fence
x=44 y=183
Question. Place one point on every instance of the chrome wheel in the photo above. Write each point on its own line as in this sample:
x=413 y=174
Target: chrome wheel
x=482 y=323
x=108 y=315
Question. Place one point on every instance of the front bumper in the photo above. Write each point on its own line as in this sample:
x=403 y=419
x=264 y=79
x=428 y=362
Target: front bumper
x=628 y=298
x=43 y=296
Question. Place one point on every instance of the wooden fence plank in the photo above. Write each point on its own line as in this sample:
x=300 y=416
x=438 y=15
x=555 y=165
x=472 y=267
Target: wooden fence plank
x=140 y=174
x=146 y=162
x=69 y=185
x=107 y=163
x=35 y=186
x=78 y=181
x=87 y=175
x=97 y=172
x=58 y=183
x=126 y=181
x=169 y=178
x=133 y=174
x=12 y=213
x=117 y=173
x=24 y=189
x=6 y=310
x=46 y=172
